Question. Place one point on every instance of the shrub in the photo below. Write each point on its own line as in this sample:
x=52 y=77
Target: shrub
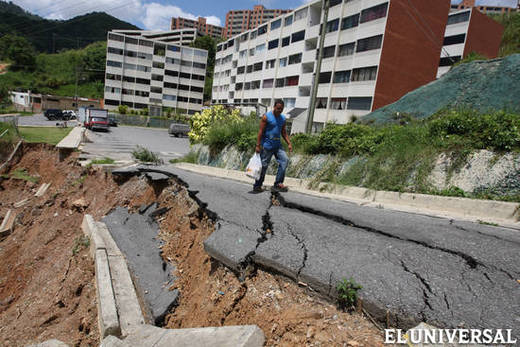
x=201 y=122
x=123 y=109
x=145 y=155
x=241 y=132
x=347 y=293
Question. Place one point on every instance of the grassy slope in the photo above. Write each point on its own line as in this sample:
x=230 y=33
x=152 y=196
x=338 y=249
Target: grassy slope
x=44 y=134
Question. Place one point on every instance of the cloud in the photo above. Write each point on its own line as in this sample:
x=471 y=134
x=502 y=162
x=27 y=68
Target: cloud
x=147 y=15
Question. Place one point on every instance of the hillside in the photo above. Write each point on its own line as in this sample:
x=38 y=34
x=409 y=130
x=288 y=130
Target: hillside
x=481 y=85
x=55 y=35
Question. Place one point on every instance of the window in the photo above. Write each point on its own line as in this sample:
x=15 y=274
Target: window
x=253 y=35
x=231 y=43
x=270 y=64
x=131 y=40
x=341 y=76
x=242 y=54
x=325 y=77
x=332 y=25
x=174 y=48
x=241 y=70
x=113 y=90
x=115 y=50
x=113 y=77
x=142 y=55
x=172 y=61
x=142 y=93
x=142 y=81
x=286 y=41
x=145 y=43
x=276 y=24
x=364 y=74
x=238 y=86
x=350 y=22
x=262 y=30
x=448 y=61
x=346 y=49
x=199 y=65
x=197 y=89
x=334 y=3
x=289 y=103
x=300 y=14
x=158 y=65
x=184 y=87
x=157 y=77
x=249 y=68
x=273 y=44
x=251 y=52
x=292 y=81
x=369 y=43
x=255 y=85
x=131 y=54
x=373 y=13
x=128 y=79
x=282 y=62
x=157 y=90
x=359 y=103
x=260 y=48
x=453 y=40
x=186 y=63
x=288 y=20
x=328 y=52
x=295 y=58
x=182 y=75
x=116 y=37
x=321 y=103
x=169 y=97
x=170 y=85
x=338 y=103
x=298 y=36
x=171 y=73
x=159 y=49
x=279 y=82
x=111 y=102
x=244 y=37
x=268 y=83
x=458 y=18
x=257 y=66
x=114 y=63
x=247 y=85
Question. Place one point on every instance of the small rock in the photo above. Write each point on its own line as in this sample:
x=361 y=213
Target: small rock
x=56 y=214
x=278 y=295
x=353 y=343
x=310 y=332
x=81 y=203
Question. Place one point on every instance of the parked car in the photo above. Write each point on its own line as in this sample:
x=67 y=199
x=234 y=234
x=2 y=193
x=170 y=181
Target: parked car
x=112 y=121
x=178 y=129
x=53 y=114
x=98 y=123
x=69 y=114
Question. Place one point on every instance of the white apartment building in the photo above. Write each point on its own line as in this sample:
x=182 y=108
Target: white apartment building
x=374 y=52
x=151 y=73
x=469 y=31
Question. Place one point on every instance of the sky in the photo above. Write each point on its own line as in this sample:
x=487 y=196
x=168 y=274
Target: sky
x=149 y=14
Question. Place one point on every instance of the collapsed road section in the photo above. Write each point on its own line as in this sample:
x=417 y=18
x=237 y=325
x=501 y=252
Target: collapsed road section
x=412 y=267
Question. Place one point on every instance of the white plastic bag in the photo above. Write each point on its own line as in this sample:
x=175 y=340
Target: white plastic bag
x=254 y=168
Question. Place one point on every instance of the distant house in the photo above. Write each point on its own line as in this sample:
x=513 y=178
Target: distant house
x=469 y=31
x=30 y=102
x=487 y=6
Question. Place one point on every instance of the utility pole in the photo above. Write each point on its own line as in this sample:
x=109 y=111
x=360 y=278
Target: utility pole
x=316 y=78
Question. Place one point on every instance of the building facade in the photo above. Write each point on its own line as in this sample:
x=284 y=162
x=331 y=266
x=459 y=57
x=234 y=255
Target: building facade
x=469 y=31
x=487 y=6
x=182 y=37
x=146 y=73
x=375 y=51
x=200 y=25
x=238 y=21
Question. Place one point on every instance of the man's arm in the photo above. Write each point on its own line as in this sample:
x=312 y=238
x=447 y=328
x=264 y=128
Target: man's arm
x=286 y=138
x=263 y=124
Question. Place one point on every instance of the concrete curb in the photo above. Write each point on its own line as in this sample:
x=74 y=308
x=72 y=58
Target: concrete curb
x=70 y=142
x=119 y=311
x=503 y=213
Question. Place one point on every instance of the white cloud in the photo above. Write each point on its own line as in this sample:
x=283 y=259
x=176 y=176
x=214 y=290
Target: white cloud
x=151 y=15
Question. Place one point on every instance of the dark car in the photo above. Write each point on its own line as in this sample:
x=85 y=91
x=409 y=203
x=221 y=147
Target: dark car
x=178 y=129
x=112 y=121
x=53 y=114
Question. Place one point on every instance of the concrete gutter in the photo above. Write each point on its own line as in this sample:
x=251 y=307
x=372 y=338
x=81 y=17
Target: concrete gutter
x=484 y=211
x=120 y=314
x=70 y=142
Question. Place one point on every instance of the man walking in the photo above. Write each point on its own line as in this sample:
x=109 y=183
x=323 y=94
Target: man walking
x=272 y=128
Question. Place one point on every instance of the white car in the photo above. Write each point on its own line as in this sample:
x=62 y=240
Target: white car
x=69 y=114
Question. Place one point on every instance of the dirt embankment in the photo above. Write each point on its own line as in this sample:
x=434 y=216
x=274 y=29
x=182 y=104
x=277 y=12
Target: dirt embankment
x=47 y=285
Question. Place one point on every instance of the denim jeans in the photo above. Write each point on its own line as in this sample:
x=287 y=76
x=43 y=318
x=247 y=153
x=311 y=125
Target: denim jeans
x=281 y=158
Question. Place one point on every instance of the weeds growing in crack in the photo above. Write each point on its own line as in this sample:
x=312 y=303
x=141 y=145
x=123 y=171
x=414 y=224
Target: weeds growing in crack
x=347 y=293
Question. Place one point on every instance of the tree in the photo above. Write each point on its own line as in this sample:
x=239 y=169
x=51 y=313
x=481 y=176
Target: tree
x=18 y=51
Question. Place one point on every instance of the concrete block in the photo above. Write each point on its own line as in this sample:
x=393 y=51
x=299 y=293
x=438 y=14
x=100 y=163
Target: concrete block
x=108 y=319
x=130 y=314
x=42 y=190
x=7 y=224
x=112 y=341
x=72 y=140
x=110 y=245
x=232 y=336
x=50 y=343
x=89 y=228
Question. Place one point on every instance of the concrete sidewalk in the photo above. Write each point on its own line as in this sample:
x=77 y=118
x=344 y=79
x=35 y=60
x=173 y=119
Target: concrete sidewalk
x=482 y=211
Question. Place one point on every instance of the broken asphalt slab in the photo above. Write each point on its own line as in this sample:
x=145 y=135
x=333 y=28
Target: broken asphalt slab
x=136 y=236
x=412 y=267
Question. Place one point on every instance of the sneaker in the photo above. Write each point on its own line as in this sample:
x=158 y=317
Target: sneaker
x=257 y=190
x=279 y=188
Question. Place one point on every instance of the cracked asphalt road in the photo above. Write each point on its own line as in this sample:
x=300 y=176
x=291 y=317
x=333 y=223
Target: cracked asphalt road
x=412 y=267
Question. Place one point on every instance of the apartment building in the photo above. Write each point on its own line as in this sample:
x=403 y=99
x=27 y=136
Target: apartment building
x=238 y=21
x=375 y=51
x=144 y=72
x=469 y=31
x=182 y=37
x=200 y=25
x=487 y=6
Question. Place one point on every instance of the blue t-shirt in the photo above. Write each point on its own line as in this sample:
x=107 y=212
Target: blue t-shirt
x=273 y=131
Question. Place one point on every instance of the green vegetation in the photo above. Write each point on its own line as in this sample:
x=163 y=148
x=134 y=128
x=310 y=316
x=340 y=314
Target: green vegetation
x=146 y=156
x=472 y=56
x=43 y=134
x=511 y=38
x=10 y=133
x=21 y=174
x=347 y=293
x=105 y=160
x=191 y=158
x=57 y=73
x=80 y=243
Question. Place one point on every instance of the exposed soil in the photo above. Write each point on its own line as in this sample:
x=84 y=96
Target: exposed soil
x=47 y=285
